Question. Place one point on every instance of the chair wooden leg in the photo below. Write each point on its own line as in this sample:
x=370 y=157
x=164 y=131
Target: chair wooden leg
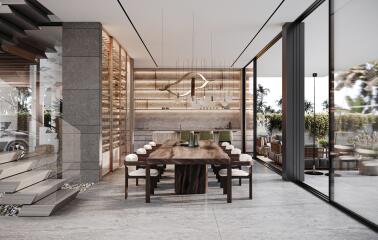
x=240 y=181
x=136 y=182
x=126 y=182
x=152 y=189
x=250 y=182
x=224 y=180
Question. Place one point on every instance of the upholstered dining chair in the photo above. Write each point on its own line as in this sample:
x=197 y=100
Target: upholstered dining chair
x=225 y=136
x=132 y=160
x=229 y=148
x=184 y=136
x=238 y=173
x=206 y=135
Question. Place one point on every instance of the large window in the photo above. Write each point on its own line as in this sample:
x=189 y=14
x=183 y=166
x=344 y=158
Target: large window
x=316 y=162
x=269 y=105
x=31 y=105
x=355 y=128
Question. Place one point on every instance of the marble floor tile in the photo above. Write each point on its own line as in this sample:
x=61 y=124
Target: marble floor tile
x=278 y=210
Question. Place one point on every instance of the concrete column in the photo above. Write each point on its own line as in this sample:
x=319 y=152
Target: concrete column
x=293 y=101
x=81 y=137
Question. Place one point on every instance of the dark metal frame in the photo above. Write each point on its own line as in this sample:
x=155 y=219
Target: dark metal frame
x=330 y=198
x=136 y=31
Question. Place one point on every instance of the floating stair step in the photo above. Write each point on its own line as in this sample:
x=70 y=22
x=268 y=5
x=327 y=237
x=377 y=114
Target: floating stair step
x=33 y=193
x=48 y=205
x=16 y=167
x=23 y=180
x=6 y=157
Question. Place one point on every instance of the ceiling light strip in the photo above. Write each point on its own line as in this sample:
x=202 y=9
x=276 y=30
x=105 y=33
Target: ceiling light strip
x=279 y=5
x=132 y=24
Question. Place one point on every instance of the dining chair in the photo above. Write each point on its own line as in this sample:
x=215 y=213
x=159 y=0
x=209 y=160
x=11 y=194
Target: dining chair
x=244 y=160
x=184 y=136
x=229 y=148
x=206 y=135
x=225 y=136
x=133 y=160
x=153 y=145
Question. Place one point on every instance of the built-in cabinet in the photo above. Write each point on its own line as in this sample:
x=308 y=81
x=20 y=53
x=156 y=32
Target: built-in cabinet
x=115 y=101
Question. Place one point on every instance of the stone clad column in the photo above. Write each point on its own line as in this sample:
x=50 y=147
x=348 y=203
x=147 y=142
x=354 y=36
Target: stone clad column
x=81 y=101
x=293 y=101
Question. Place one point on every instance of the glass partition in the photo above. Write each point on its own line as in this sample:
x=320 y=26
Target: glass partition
x=269 y=109
x=355 y=117
x=249 y=107
x=316 y=162
x=31 y=107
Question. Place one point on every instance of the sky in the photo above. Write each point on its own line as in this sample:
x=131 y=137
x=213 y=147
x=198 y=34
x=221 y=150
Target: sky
x=274 y=84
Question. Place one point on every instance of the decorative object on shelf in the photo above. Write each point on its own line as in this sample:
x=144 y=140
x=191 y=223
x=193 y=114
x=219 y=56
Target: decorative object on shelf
x=193 y=139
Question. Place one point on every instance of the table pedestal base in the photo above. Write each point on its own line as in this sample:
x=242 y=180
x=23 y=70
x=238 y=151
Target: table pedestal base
x=190 y=179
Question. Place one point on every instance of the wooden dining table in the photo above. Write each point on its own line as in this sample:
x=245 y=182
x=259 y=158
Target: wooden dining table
x=190 y=165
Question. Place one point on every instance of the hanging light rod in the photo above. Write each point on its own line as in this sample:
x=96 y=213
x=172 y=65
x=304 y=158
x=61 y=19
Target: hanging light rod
x=136 y=31
x=258 y=32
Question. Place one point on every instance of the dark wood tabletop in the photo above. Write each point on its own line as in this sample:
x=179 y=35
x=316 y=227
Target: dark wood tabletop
x=171 y=152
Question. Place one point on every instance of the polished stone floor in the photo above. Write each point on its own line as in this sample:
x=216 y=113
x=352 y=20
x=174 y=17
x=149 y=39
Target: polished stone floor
x=279 y=210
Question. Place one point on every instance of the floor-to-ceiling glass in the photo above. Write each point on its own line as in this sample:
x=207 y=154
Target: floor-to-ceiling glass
x=355 y=126
x=316 y=160
x=269 y=105
x=31 y=107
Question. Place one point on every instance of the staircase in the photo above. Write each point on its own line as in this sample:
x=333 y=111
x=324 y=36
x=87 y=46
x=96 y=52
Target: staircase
x=25 y=184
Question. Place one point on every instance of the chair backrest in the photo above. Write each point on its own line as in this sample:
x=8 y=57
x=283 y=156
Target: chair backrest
x=229 y=147
x=236 y=151
x=225 y=136
x=245 y=158
x=185 y=136
x=131 y=157
x=147 y=147
x=276 y=147
x=206 y=135
x=141 y=151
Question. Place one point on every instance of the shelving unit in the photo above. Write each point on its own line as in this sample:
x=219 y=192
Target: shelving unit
x=114 y=104
x=225 y=83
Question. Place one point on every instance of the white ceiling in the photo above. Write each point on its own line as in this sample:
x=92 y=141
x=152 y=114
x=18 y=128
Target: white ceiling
x=231 y=24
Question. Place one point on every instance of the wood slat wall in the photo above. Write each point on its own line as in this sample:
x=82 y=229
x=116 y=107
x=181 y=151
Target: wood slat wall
x=115 y=103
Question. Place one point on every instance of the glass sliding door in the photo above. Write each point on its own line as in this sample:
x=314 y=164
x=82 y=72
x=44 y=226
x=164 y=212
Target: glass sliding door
x=316 y=162
x=269 y=106
x=249 y=107
x=355 y=116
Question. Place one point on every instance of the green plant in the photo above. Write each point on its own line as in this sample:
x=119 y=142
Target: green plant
x=317 y=125
x=323 y=142
x=273 y=121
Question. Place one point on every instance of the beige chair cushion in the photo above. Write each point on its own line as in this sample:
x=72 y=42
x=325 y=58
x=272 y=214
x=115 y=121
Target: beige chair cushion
x=142 y=173
x=141 y=151
x=245 y=158
x=235 y=173
x=131 y=158
x=153 y=144
x=224 y=144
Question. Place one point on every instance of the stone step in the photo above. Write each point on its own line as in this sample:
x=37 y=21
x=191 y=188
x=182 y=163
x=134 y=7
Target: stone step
x=16 y=167
x=33 y=193
x=48 y=205
x=6 y=157
x=23 y=180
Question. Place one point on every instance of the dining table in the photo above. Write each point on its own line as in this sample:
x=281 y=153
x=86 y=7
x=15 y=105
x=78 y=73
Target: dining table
x=190 y=165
